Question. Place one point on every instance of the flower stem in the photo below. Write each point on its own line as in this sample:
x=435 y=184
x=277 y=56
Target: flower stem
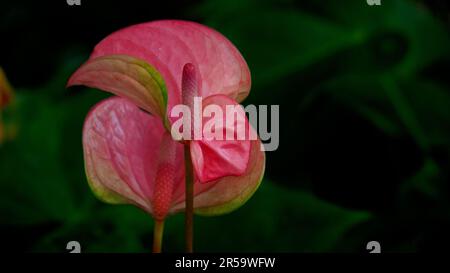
x=158 y=231
x=189 y=211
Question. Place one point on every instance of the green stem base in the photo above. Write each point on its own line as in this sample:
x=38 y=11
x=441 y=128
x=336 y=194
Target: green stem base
x=189 y=211
x=158 y=231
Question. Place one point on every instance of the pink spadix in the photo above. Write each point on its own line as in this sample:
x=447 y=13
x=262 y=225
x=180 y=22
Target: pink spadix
x=190 y=93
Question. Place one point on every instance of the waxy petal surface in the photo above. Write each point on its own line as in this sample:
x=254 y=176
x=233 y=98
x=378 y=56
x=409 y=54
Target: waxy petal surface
x=127 y=77
x=231 y=192
x=168 y=45
x=121 y=149
x=214 y=158
x=126 y=162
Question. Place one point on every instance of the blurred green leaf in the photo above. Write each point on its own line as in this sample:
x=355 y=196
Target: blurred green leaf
x=30 y=168
x=278 y=40
x=279 y=220
x=275 y=41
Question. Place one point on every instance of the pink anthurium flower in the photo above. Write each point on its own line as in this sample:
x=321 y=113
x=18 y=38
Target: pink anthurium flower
x=130 y=154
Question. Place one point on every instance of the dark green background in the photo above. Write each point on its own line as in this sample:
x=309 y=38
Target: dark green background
x=364 y=141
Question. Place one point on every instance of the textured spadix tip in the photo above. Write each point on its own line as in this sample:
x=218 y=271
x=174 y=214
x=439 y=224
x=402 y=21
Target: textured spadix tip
x=189 y=84
x=188 y=69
